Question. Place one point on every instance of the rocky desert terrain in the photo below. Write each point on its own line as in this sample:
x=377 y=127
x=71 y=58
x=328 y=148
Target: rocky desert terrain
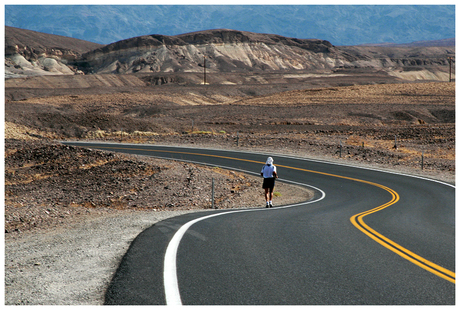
x=387 y=125
x=66 y=204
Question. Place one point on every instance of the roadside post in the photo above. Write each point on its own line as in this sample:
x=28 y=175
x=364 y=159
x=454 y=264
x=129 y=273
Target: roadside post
x=212 y=194
x=422 y=160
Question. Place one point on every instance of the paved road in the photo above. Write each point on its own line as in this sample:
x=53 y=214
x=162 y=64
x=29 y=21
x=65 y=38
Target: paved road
x=367 y=238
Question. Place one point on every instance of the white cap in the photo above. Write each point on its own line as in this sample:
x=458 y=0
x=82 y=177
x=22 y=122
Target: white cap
x=269 y=161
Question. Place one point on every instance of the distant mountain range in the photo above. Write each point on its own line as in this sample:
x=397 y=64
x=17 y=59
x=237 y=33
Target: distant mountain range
x=425 y=43
x=30 y=53
x=338 y=24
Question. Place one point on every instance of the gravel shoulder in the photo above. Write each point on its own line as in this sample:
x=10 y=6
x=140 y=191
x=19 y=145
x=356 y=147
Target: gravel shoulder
x=72 y=265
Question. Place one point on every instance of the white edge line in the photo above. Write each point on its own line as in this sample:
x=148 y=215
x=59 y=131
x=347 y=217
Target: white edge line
x=171 y=285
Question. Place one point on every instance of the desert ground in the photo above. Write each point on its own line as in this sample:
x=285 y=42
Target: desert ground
x=72 y=199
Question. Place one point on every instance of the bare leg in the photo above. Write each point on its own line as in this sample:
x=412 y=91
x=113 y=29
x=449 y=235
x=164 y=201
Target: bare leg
x=267 y=194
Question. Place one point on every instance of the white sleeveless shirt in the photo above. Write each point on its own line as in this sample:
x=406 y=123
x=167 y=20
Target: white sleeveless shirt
x=268 y=170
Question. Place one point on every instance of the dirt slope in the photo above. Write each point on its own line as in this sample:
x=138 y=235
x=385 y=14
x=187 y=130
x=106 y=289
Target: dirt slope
x=31 y=43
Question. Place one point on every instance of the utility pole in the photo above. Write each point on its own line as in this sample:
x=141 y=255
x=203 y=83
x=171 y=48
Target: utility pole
x=450 y=68
x=204 y=57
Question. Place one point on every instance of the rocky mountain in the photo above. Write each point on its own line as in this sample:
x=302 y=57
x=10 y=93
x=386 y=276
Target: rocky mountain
x=40 y=53
x=226 y=50
x=223 y=50
x=219 y=50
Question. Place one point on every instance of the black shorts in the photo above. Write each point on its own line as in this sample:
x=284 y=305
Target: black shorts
x=268 y=183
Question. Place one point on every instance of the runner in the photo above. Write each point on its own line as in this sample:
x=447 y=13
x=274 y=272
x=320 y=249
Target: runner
x=269 y=174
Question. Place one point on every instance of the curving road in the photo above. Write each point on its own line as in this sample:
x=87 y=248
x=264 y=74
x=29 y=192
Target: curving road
x=367 y=238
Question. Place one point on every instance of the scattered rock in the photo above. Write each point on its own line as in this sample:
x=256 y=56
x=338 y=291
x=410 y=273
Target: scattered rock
x=48 y=185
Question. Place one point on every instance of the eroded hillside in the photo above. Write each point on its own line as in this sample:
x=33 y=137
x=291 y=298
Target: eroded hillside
x=216 y=51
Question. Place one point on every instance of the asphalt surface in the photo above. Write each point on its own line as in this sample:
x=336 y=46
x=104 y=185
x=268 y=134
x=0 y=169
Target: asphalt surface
x=329 y=251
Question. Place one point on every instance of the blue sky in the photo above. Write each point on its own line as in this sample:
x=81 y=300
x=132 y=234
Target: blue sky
x=341 y=25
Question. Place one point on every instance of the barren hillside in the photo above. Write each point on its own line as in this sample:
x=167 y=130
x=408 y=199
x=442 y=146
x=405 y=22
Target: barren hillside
x=218 y=51
x=31 y=53
x=22 y=40
x=225 y=51
x=238 y=51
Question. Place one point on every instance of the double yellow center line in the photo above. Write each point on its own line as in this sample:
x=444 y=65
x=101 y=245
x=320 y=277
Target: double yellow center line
x=356 y=220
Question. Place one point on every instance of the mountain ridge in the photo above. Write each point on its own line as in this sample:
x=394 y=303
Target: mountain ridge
x=17 y=38
x=423 y=43
x=214 y=36
x=225 y=50
x=36 y=53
